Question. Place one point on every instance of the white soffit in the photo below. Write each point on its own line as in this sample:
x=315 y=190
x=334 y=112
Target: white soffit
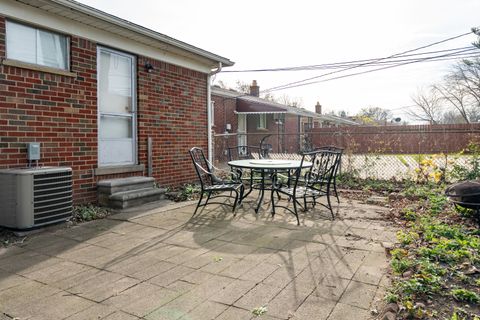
x=71 y=17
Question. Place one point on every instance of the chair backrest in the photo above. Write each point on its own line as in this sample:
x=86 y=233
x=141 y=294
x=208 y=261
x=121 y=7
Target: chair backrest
x=324 y=168
x=242 y=152
x=334 y=149
x=330 y=148
x=265 y=148
x=296 y=177
x=202 y=168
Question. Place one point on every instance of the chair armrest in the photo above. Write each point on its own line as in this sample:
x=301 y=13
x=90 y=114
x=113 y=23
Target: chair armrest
x=226 y=176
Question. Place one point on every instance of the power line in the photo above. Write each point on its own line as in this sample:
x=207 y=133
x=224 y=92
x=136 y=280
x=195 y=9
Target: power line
x=300 y=84
x=398 y=55
x=288 y=85
x=401 y=108
x=455 y=55
x=343 y=63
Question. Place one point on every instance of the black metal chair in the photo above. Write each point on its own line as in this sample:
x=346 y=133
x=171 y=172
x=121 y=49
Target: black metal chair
x=251 y=177
x=212 y=184
x=243 y=152
x=307 y=188
x=265 y=148
x=321 y=176
x=339 y=164
x=292 y=189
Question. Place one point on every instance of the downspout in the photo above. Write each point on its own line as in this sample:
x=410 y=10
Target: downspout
x=209 y=111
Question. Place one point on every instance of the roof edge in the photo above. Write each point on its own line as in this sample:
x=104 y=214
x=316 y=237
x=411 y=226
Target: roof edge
x=112 y=19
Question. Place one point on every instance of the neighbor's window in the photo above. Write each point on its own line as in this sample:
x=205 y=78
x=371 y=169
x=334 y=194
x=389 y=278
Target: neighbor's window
x=37 y=46
x=262 y=121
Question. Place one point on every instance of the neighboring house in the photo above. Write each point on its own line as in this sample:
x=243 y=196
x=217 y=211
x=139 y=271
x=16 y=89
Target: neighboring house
x=93 y=88
x=252 y=118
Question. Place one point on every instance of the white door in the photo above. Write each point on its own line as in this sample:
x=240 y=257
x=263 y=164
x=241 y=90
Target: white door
x=116 y=108
x=242 y=130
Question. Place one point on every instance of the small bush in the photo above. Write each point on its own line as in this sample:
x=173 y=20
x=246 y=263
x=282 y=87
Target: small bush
x=472 y=169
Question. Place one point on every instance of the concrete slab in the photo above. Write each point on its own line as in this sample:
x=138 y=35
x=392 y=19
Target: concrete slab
x=162 y=263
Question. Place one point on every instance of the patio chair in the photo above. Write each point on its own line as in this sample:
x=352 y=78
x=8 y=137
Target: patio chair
x=265 y=148
x=251 y=177
x=212 y=184
x=307 y=188
x=338 y=165
x=243 y=152
x=321 y=176
x=292 y=189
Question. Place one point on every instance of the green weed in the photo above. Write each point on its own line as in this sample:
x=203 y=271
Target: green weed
x=260 y=311
x=406 y=238
x=465 y=295
x=88 y=212
x=472 y=169
x=399 y=266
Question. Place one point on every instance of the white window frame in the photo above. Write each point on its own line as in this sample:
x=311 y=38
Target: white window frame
x=11 y=56
x=110 y=114
x=262 y=121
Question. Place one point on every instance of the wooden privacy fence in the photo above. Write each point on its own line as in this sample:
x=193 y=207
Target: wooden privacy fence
x=415 y=139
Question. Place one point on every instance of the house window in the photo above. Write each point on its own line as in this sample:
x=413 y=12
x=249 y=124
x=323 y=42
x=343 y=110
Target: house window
x=36 y=46
x=262 y=121
x=308 y=125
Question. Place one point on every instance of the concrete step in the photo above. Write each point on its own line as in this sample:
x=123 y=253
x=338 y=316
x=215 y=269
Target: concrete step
x=132 y=198
x=112 y=186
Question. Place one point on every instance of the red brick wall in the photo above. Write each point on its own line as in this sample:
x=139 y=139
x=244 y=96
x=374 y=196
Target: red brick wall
x=291 y=134
x=61 y=113
x=255 y=134
x=171 y=110
x=399 y=139
x=224 y=108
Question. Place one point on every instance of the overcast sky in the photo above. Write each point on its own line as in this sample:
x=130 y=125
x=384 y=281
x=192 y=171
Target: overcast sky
x=278 y=33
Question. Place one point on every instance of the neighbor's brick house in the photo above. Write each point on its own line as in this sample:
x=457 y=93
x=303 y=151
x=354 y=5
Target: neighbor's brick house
x=250 y=118
x=59 y=107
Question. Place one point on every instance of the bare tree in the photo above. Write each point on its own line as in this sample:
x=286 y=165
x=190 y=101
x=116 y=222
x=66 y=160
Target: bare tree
x=244 y=88
x=338 y=113
x=372 y=115
x=241 y=86
x=452 y=93
x=428 y=107
x=467 y=73
x=289 y=101
x=476 y=31
x=461 y=87
x=458 y=94
x=451 y=117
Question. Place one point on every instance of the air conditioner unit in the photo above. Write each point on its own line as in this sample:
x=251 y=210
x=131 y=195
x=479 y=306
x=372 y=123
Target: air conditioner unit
x=35 y=197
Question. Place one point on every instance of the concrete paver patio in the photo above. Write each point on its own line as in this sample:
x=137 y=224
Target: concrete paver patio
x=159 y=262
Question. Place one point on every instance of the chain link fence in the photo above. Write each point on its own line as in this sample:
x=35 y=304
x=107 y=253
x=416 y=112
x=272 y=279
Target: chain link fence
x=421 y=167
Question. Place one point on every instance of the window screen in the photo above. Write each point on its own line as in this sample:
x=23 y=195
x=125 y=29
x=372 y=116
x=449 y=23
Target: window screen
x=32 y=45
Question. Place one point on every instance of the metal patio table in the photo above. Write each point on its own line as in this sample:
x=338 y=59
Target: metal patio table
x=265 y=167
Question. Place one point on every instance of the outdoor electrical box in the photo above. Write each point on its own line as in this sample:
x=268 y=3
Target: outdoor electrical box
x=33 y=149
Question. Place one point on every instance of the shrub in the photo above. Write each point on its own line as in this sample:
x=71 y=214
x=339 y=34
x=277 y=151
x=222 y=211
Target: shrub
x=472 y=169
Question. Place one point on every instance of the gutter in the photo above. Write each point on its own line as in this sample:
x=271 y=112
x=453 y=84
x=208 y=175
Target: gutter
x=209 y=111
x=122 y=23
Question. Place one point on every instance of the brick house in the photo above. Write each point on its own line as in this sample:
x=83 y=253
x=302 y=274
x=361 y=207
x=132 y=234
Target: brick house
x=252 y=118
x=93 y=89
